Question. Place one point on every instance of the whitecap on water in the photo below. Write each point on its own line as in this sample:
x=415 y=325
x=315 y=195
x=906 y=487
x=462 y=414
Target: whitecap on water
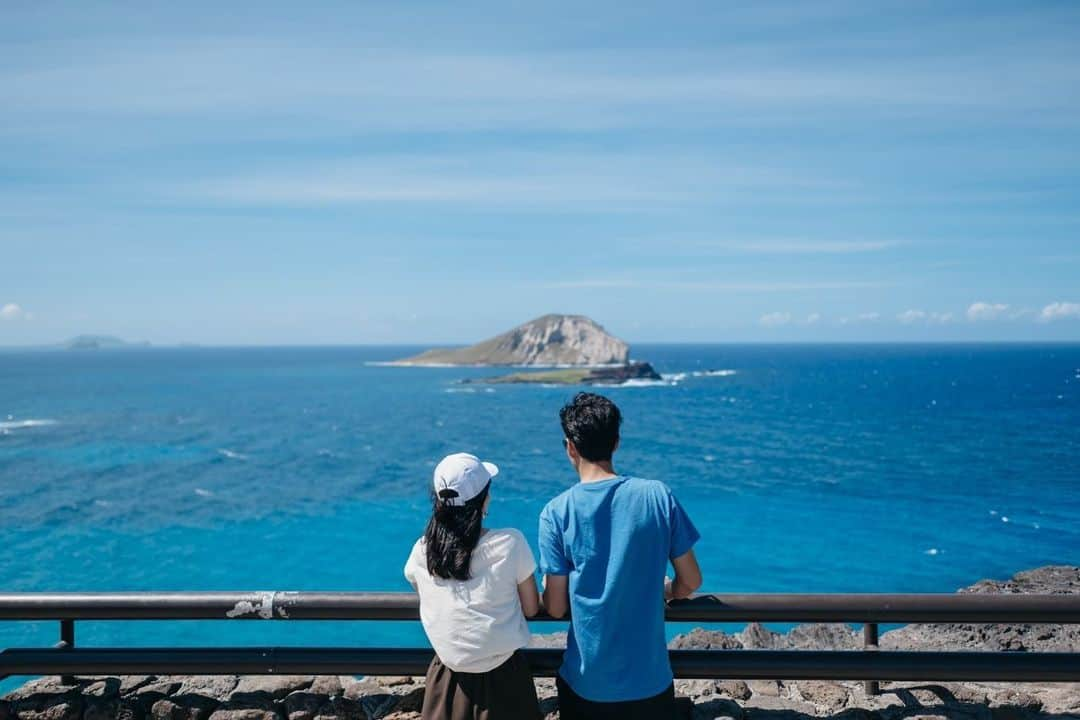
x=232 y=454
x=11 y=424
x=932 y=551
x=640 y=383
x=713 y=373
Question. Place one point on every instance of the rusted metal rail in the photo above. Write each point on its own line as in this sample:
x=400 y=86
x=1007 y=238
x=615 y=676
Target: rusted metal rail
x=868 y=609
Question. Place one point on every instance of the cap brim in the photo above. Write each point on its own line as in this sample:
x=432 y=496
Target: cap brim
x=492 y=468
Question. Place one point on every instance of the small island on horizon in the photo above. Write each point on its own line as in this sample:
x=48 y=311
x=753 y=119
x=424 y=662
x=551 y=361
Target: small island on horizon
x=575 y=349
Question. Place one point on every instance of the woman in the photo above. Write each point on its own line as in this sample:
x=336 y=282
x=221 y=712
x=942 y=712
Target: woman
x=476 y=588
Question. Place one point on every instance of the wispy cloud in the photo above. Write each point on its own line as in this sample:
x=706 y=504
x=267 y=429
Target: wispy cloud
x=775 y=319
x=506 y=178
x=11 y=311
x=705 y=286
x=1059 y=311
x=395 y=88
x=803 y=247
x=978 y=311
x=918 y=317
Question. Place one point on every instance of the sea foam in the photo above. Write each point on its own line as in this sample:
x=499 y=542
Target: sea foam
x=9 y=424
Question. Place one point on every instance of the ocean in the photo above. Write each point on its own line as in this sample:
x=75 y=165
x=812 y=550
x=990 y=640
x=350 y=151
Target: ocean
x=900 y=468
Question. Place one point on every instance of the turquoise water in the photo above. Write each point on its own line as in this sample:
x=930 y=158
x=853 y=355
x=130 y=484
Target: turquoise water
x=810 y=468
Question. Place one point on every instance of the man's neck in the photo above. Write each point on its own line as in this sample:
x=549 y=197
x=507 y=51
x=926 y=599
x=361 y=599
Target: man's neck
x=596 y=472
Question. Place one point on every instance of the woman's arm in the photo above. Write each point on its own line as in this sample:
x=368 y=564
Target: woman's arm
x=530 y=598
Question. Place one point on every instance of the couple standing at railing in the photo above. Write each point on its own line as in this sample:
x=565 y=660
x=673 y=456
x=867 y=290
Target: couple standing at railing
x=605 y=545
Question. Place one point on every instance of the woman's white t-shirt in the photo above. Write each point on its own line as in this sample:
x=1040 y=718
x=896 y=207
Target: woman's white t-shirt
x=475 y=625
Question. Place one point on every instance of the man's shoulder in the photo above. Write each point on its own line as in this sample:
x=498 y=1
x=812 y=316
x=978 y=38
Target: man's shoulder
x=645 y=486
x=557 y=504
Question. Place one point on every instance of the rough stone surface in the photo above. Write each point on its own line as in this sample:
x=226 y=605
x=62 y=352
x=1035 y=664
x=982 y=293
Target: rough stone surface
x=547 y=340
x=144 y=697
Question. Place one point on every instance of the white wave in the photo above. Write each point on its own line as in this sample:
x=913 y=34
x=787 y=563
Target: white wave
x=468 y=390
x=232 y=454
x=713 y=373
x=1004 y=519
x=709 y=458
x=673 y=377
x=639 y=382
x=10 y=424
x=933 y=551
x=201 y=492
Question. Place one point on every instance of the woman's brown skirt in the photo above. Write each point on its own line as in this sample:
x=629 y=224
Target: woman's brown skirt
x=505 y=693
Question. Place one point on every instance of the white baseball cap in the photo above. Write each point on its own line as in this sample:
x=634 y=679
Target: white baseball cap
x=460 y=477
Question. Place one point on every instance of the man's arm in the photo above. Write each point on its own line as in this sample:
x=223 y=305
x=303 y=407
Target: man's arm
x=687 y=577
x=556 y=595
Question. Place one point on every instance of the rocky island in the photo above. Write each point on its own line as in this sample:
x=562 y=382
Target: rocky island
x=579 y=349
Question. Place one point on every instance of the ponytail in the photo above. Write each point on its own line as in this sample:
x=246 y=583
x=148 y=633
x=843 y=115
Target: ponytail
x=452 y=534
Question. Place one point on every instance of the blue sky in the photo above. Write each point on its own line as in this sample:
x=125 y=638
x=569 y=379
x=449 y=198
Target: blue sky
x=436 y=172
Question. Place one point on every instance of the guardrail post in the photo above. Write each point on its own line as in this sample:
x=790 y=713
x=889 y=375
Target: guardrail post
x=870 y=643
x=67 y=642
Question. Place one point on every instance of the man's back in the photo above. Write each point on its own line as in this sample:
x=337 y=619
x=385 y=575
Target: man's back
x=614 y=538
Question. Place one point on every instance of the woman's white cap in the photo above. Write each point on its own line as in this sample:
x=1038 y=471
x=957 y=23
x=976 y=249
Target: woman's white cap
x=461 y=477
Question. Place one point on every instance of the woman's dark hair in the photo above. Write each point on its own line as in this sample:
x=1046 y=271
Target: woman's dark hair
x=592 y=423
x=452 y=534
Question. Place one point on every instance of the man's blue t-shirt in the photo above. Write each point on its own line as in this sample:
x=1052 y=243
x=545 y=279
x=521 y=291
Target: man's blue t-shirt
x=614 y=539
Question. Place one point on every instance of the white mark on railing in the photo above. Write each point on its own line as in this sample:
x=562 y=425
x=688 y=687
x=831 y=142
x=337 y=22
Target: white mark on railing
x=280 y=607
x=263 y=607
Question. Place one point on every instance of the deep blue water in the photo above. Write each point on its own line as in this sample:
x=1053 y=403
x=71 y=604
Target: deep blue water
x=811 y=468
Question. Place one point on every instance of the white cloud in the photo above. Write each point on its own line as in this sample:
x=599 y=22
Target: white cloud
x=910 y=317
x=916 y=317
x=869 y=317
x=11 y=311
x=1059 y=311
x=985 y=311
x=775 y=319
x=813 y=318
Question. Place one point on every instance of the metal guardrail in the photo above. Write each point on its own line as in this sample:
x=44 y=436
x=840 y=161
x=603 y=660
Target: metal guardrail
x=712 y=608
x=868 y=609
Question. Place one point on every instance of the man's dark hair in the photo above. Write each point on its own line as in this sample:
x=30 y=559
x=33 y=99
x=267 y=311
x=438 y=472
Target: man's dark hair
x=592 y=423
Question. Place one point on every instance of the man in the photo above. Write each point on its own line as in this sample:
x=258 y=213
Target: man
x=604 y=548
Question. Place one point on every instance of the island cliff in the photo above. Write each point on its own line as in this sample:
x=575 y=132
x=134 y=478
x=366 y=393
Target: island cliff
x=551 y=340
